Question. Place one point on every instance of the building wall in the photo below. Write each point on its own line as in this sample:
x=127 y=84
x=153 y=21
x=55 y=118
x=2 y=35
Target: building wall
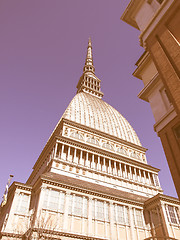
x=159 y=23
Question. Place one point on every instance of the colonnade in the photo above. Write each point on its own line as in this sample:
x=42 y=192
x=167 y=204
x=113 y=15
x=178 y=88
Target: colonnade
x=104 y=164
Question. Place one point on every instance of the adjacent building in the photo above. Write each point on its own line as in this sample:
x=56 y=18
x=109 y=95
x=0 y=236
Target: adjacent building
x=92 y=179
x=159 y=69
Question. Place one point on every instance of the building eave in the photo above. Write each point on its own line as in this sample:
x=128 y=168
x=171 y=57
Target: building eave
x=128 y=15
x=146 y=90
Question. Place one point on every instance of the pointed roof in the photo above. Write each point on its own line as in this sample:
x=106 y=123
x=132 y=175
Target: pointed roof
x=89 y=59
x=89 y=82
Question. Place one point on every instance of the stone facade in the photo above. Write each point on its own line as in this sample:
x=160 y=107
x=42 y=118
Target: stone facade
x=159 y=68
x=92 y=179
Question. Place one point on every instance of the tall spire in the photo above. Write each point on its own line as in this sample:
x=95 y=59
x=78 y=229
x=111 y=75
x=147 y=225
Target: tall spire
x=89 y=67
x=88 y=82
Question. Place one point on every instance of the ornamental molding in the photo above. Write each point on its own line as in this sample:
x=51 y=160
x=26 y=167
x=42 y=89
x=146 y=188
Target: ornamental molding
x=101 y=134
x=160 y=199
x=85 y=168
x=46 y=232
x=90 y=192
x=103 y=143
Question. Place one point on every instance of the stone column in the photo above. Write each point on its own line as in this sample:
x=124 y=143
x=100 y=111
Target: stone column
x=131 y=223
x=149 y=177
x=130 y=170
x=120 y=169
x=62 y=150
x=83 y=222
x=66 y=208
x=95 y=211
x=41 y=199
x=68 y=155
x=58 y=213
x=125 y=169
x=98 y=166
x=111 y=221
x=72 y=217
x=152 y=224
x=115 y=168
x=74 y=158
x=90 y=216
x=105 y=209
x=104 y=164
x=86 y=163
x=136 y=224
x=55 y=151
x=80 y=161
x=165 y=221
x=135 y=174
x=144 y=225
x=125 y=219
x=92 y=166
x=144 y=175
x=140 y=178
x=110 y=166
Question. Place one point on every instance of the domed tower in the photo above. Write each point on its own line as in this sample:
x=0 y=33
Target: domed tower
x=91 y=180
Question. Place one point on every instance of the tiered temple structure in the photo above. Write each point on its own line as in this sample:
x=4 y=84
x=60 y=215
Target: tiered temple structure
x=92 y=180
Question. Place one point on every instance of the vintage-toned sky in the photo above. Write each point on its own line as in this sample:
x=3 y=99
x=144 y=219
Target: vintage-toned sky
x=42 y=52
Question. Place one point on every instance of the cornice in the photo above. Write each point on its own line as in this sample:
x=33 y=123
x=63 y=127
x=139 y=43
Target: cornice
x=88 y=191
x=131 y=9
x=151 y=84
x=66 y=234
x=104 y=174
x=158 y=18
x=165 y=119
x=144 y=59
x=11 y=235
x=161 y=197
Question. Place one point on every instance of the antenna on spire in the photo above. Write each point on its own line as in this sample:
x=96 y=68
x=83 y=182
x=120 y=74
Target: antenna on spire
x=89 y=67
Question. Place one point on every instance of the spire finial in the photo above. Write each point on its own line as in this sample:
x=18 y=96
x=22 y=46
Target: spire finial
x=88 y=82
x=89 y=59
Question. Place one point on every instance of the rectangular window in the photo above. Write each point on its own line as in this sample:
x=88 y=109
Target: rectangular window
x=172 y=214
x=78 y=206
x=139 y=218
x=23 y=204
x=54 y=200
x=85 y=208
x=121 y=214
x=100 y=210
x=107 y=211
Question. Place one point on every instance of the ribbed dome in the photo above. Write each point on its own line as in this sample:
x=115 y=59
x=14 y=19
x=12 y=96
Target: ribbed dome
x=95 y=113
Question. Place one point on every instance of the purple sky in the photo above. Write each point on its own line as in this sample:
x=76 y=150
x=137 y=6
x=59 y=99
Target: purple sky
x=42 y=52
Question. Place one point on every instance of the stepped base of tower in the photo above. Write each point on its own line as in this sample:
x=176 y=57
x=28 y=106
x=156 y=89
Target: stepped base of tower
x=89 y=211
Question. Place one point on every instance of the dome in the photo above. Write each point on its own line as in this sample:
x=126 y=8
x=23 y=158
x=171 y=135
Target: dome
x=93 y=112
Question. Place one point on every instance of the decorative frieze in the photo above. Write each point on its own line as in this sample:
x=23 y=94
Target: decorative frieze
x=104 y=143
